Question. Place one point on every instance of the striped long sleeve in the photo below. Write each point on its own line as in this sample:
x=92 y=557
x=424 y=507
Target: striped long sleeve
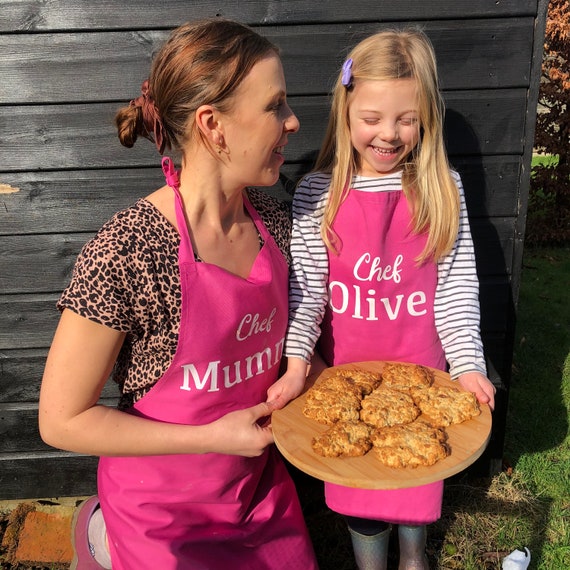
x=309 y=268
x=457 y=313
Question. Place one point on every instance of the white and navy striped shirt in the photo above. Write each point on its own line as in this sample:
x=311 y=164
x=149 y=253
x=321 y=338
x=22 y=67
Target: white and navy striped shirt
x=456 y=309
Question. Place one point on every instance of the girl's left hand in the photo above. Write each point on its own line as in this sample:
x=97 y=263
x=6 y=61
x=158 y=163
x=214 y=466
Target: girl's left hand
x=289 y=386
x=481 y=386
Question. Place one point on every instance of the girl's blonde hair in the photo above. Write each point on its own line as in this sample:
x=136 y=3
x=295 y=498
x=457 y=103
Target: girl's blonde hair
x=426 y=178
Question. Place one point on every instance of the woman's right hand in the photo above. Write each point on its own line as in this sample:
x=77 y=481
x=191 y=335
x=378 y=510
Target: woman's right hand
x=243 y=432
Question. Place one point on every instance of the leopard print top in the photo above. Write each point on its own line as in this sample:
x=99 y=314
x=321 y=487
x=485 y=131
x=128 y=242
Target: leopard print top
x=127 y=278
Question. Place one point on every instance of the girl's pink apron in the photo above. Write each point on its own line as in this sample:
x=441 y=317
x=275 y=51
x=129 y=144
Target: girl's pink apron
x=211 y=511
x=381 y=308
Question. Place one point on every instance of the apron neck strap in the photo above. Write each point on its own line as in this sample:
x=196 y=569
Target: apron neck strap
x=185 y=252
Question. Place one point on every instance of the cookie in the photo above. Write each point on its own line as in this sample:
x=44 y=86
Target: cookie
x=404 y=376
x=342 y=383
x=366 y=380
x=328 y=406
x=388 y=407
x=410 y=445
x=343 y=439
x=446 y=405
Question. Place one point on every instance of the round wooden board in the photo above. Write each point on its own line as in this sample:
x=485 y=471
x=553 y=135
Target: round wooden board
x=293 y=433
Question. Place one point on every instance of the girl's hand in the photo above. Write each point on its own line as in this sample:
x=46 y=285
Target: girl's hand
x=288 y=387
x=481 y=386
x=243 y=432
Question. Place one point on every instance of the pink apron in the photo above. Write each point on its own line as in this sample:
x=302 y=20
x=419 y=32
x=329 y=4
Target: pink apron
x=211 y=511
x=381 y=308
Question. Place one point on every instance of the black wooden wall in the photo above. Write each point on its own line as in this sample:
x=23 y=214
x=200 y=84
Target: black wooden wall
x=66 y=65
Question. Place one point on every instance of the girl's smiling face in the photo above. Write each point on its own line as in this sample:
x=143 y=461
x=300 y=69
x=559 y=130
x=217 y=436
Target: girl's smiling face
x=384 y=124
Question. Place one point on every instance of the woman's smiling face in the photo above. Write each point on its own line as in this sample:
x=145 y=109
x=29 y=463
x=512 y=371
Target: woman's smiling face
x=384 y=124
x=258 y=125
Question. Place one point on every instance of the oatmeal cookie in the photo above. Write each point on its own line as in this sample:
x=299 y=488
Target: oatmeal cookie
x=445 y=405
x=342 y=383
x=388 y=407
x=343 y=439
x=327 y=405
x=404 y=376
x=410 y=445
x=366 y=380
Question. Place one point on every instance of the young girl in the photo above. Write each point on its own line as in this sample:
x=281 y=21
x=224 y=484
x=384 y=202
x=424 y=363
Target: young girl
x=184 y=295
x=383 y=263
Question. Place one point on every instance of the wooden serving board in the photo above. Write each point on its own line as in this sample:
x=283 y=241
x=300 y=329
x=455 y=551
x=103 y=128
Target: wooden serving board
x=293 y=433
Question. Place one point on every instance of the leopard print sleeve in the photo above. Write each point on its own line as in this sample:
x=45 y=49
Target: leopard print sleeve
x=118 y=272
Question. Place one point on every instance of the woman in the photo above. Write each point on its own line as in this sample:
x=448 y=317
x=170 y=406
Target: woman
x=184 y=295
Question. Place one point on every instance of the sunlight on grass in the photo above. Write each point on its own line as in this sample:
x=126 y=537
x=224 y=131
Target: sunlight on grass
x=529 y=504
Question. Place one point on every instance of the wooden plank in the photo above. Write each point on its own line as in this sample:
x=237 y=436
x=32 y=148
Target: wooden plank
x=495 y=298
x=29 y=321
x=19 y=428
x=23 y=475
x=95 y=67
x=490 y=184
x=21 y=372
x=42 y=263
x=38 y=15
x=494 y=242
x=60 y=137
x=497 y=352
x=38 y=262
x=81 y=201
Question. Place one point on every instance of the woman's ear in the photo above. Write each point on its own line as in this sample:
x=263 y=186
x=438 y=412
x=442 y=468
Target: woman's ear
x=208 y=124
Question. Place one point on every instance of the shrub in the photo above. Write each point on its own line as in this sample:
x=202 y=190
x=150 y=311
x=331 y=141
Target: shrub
x=548 y=219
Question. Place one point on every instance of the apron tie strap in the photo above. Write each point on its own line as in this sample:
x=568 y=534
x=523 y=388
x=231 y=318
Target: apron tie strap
x=170 y=173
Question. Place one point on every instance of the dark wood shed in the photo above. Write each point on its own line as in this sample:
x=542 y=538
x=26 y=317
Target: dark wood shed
x=66 y=65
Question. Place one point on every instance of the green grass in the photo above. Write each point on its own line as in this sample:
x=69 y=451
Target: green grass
x=538 y=440
x=546 y=159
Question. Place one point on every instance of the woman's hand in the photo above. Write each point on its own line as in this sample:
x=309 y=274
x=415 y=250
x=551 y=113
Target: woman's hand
x=243 y=432
x=80 y=360
x=481 y=386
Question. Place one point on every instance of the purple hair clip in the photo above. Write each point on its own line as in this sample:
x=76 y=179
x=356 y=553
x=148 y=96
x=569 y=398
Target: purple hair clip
x=347 y=73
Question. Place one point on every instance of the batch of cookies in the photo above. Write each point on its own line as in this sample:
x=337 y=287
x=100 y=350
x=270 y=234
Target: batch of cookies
x=399 y=414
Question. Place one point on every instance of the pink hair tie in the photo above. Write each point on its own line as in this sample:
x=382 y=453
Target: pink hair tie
x=153 y=126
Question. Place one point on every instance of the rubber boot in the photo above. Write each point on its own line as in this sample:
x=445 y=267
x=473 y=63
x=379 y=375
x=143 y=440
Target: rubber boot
x=370 y=551
x=412 y=540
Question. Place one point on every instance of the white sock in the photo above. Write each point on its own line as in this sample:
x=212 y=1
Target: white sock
x=97 y=533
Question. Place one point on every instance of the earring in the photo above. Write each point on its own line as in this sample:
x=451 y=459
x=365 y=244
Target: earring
x=219 y=145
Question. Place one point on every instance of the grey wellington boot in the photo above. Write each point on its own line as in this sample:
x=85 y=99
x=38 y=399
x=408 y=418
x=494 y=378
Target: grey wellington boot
x=370 y=552
x=412 y=540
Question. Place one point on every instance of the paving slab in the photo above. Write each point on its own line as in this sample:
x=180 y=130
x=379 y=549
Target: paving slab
x=39 y=531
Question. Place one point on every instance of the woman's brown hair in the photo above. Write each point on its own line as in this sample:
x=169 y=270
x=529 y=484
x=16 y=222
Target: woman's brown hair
x=201 y=63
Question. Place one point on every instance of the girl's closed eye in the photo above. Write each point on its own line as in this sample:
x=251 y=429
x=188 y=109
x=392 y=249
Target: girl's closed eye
x=409 y=121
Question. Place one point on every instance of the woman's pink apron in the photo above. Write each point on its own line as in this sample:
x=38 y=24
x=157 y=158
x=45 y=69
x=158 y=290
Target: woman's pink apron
x=211 y=511
x=381 y=307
